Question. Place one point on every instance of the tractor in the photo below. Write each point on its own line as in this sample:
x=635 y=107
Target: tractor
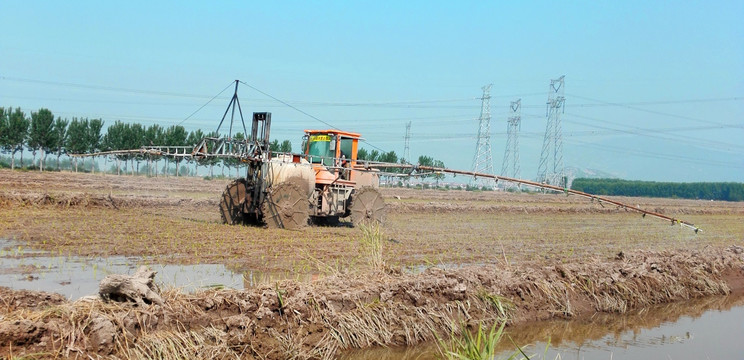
x=320 y=185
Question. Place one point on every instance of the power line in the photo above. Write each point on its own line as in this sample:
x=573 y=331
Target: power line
x=98 y=101
x=302 y=112
x=598 y=103
x=644 y=103
x=288 y=105
x=650 y=111
x=103 y=88
x=424 y=104
x=451 y=136
x=654 y=133
x=662 y=102
x=376 y=104
x=382 y=103
x=658 y=155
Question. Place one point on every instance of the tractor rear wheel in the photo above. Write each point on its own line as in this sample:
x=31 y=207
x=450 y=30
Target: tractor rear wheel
x=367 y=206
x=231 y=204
x=286 y=207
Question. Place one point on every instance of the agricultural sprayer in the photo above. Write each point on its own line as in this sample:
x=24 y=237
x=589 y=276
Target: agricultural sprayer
x=322 y=184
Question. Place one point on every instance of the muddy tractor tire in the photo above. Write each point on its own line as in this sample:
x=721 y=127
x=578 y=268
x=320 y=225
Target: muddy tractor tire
x=232 y=202
x=367 y=206
x=286 y=207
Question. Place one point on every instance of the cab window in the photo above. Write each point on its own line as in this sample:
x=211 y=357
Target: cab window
x=319 y=147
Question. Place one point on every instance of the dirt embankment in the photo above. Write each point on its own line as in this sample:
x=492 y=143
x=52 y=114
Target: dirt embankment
x=319 y=319
x=65 y=189
x=14 y=300
x=40 y=182
x=92 y=200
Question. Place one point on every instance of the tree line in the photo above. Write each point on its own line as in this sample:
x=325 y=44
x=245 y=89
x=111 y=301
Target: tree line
x=725 y=191
x=42 y=133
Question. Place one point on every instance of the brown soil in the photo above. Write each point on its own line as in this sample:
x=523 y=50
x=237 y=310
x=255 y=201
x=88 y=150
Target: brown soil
x=91 y=190
x=14 y=300
x=541 y=256
x=175 y=220
x=319 y=319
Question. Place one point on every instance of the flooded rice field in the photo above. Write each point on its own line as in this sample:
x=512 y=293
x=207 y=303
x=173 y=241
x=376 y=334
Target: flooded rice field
x=77 y=276
x=74 y=277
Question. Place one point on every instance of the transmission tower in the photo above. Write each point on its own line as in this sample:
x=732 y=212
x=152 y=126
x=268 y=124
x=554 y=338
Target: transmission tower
x=407 y=148
x=482 y=162
x=551 y=169
x=511 y=154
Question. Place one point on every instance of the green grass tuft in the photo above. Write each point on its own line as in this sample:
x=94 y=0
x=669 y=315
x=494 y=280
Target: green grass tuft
x=477 y=345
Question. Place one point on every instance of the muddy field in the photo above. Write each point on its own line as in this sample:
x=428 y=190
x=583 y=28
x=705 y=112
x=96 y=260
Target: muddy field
x=451 y=257
x=174 y=220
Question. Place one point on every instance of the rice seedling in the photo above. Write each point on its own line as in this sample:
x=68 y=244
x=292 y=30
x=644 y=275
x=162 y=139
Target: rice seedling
x=476 y=345
x=280 y=298
x=371 y=245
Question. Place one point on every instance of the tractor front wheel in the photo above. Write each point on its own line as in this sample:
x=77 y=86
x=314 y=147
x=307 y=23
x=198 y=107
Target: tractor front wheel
x=367 y=206
x=286 y=207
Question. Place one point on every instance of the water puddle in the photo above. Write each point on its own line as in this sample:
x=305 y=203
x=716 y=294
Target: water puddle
x=708 y=328
x=75 y=276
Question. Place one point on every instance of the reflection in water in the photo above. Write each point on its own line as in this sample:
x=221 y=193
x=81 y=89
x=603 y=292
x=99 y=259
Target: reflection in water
x=696 y=329
x=685 y=328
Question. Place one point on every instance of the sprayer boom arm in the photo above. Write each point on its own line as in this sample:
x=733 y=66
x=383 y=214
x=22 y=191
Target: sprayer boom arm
x=601 y=199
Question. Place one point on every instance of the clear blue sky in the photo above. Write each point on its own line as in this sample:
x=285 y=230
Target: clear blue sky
x=636 y=72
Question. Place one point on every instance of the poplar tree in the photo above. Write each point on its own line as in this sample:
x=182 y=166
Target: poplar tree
x=77 y=138
x=17 y=136
x=60 y=137
x=41 y=136
x=93 y=139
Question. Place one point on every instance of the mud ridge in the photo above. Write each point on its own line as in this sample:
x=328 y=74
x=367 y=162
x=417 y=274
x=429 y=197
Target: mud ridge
x=87 y=200
x=292 y=319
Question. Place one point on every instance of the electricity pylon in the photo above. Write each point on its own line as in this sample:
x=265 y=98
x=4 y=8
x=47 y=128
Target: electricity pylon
x=482 y=161
x=407 y=148
x=550 y=170
x=511 y=153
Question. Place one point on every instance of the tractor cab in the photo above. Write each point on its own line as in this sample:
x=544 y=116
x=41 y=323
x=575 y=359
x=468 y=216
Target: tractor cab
x=333 y=155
